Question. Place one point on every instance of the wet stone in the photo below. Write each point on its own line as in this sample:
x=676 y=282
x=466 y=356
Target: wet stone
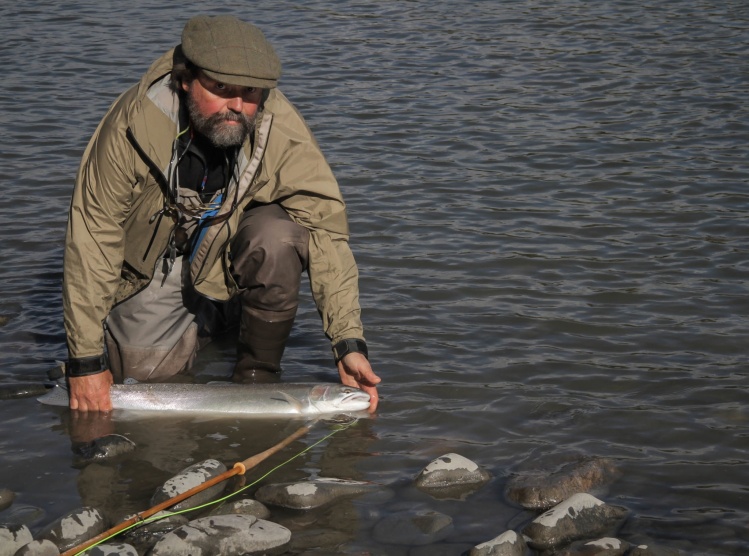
x=542 y=488
x=227 y=535
x=106 y=447
x=245 y=506
x=6 y=498
x=508 y=543
x=112 y=549
x=311 y=494
x=188 y=478
x=451 y=471
x=606 y=546
x=13 y=537
x=37 y=548
x=653 y=550
x=413 y=528
x=19 y=390
x=74 y=528
x=580 y=517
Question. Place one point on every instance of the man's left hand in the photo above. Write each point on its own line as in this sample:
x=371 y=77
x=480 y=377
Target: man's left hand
x=356 y=371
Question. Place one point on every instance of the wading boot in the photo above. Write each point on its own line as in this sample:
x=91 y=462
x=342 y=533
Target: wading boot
x=259 y=350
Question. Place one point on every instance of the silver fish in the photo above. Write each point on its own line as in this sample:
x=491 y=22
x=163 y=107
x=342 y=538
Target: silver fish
x=259 y=400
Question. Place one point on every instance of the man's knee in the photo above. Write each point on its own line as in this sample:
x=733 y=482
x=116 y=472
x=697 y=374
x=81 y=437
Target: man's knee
x=270 y=250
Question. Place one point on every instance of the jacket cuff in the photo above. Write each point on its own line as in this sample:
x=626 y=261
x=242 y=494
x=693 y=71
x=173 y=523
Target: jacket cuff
x=85 y=366
x=350 y=345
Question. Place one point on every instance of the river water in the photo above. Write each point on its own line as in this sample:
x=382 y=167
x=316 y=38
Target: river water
x=548 y=203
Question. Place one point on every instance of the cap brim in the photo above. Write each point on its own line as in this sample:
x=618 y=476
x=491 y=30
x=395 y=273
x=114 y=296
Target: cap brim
x=241 y=80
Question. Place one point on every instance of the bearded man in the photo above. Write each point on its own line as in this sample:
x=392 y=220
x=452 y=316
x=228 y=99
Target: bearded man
x=203 y=190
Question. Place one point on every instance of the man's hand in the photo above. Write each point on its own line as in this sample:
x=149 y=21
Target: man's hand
x=91 y=393
x=356 y=371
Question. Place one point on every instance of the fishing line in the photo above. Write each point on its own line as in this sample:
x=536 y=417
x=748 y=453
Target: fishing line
x=155 y=518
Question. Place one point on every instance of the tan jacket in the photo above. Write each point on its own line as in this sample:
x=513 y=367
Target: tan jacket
x=116 y=234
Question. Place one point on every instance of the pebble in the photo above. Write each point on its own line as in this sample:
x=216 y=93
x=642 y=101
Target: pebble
x=508 y=543
x=188 y=478
x=413 y=528
x=13 y=537
x=311 y=494
x=580 y=517
x=540 y=489
x=227 y=535
x=74 y=528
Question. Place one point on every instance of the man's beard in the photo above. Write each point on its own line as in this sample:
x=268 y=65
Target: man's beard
x=215 y=129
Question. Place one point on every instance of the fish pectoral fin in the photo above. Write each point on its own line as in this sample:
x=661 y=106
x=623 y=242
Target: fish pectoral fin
x=295 y=403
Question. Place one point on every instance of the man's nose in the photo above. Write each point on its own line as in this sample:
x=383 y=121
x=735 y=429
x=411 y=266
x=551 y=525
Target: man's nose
x=235 y=104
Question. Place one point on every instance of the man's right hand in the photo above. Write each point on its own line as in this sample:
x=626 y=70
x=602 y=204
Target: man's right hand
x=91 y=393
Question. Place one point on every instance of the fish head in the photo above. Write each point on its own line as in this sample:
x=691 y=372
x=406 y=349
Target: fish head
x=329 y=398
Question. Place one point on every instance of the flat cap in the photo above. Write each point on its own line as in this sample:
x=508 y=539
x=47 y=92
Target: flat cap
x=231 y=51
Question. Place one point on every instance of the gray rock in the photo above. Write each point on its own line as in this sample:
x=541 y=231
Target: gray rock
x=224 y=535
x=542 y=488
x=188 y=478
x=450 y=471
x=4 y=319
x=413 y=528
x=440 y=549
x=6 y=498
x=13 y=537
x=311 y=494
x=38 y=548
x=602 y=547
x=508 y=543
x=74 y=528
x=580 y=517
x=106 y=447
x=118 y=549
x=22 y=514
x=245 y=506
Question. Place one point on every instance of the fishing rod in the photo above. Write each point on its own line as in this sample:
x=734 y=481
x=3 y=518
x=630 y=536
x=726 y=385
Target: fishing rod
x=239 y=468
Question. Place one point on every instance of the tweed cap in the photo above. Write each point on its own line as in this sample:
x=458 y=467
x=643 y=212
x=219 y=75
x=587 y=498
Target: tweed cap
x=231 y=51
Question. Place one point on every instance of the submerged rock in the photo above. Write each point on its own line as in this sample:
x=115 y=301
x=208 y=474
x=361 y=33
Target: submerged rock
x=601 y=547
x=106 y=447
x=74 y=528
x=451 y=474
x=507 y=544
x=245 y=506
x=188 y=478
x=37 y=548
x=13 y=537
x=653 y=550
x=143 y=537
x=413 y=528
x=311 y=494
x=580 y=517
x=6 y=498
x=19 y=390
x=22 y=514
x=224 y=535
x=542 y=488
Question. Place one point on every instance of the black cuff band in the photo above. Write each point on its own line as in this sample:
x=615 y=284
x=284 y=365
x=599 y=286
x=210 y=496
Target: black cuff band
x=351 y=345
x=86 y=366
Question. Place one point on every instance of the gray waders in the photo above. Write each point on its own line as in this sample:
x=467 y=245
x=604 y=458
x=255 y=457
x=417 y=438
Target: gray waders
x=156 y=334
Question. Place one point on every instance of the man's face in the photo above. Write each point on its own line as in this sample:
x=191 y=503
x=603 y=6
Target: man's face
x=225 y=114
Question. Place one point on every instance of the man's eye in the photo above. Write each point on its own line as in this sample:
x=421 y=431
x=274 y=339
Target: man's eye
x=250 y=90
x=220 y=86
